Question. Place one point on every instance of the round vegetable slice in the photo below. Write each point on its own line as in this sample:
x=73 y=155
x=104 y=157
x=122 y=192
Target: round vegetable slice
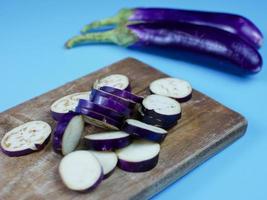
x=66 y=104
x=100 y=109
x=107 y=141
x=143 y=130
x=178 y=89
x=98 y=119
x=68 y=133
x=140 y=156
x=128 y=103
x=158 y=122
x=161 y=107
x=26 y=138
x=114 y=105
x=108 y=161
x=122 y=93
x=81 y=171
x=119 y=81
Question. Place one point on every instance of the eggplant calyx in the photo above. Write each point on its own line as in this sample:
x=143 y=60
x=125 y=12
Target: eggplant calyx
x=120 y=18
x=121 y=36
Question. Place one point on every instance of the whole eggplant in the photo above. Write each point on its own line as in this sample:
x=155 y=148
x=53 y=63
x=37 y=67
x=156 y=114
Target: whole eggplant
x=179 y=36
x=232 y=23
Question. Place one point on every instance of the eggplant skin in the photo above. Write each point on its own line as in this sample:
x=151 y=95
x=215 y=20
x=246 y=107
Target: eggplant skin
x=26 y=151
x=123 y=94
x=138 y=132
x=232 y=23
x=158 y=123
x=108 y=144
x=154 y=114
x=56 y=116
x=96 y=93
x=109 y=174
x=59 y=131
x=96 y=184
x=142 y=166
x=198 y=39
x=85 y=104
x=92 y=115
x=112 y=104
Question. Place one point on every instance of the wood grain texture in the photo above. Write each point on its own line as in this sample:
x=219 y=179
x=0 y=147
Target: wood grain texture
x=206 y=128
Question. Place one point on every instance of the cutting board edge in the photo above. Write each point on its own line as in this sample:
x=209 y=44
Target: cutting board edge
x=184 y=168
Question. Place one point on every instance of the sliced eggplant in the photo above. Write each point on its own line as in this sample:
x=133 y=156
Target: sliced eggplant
x=119 y=81
x=159 y=122
x=107 y=141
x=114 y=105
x=108 y=161
x=81 y=171
x=99 y=120
x=26 y=138
x=68 y=133
x=122 y=93
x=140 y=156
x=178 y=89
x=161 y=107
x=143 y=130
x=66 y=104
x=96 y=93
x=100 y=109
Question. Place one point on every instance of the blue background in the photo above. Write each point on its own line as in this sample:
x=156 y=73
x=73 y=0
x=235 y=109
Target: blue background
x=33 y=61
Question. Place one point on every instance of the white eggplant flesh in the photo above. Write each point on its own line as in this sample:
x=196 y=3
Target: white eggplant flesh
x=118 y=81
x=81 y=171
x=140 y=156
x=108 y=161
x=178 y=89
x=26 y=138
x=66 y=104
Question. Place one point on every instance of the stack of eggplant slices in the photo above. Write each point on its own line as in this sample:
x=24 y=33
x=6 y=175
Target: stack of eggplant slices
x=133 y=128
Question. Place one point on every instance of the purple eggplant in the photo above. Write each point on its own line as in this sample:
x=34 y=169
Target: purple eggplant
x=86 y=104
x=158 y=122
x=180 y=37
x=163 y=121
x=118 y=81
x=142 y=130
x=96 y=93
x=67 y=103
x=161 y=107
x=68 y=132
x=81 y=171
x=107 y=141
x=232 y=23
x=26 y=138
x=112 y=104
x=140 y=156
x=178 y=89
x=122 y=93
x=99 y=120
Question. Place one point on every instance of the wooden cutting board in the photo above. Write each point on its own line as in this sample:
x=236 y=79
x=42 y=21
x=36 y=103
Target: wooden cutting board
x=206 y=128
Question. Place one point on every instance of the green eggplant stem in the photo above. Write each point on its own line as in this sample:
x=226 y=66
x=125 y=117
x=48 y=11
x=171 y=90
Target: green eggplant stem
x=120 y=18
x=121 y=36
